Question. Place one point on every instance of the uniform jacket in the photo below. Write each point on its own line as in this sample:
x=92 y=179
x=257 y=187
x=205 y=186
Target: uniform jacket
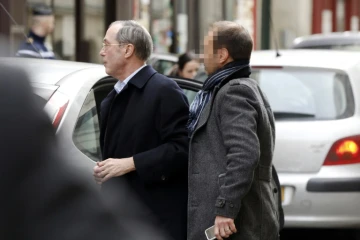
x=34 y=47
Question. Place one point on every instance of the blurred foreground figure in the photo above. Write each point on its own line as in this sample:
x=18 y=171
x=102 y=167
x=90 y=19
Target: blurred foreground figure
x=42 y=196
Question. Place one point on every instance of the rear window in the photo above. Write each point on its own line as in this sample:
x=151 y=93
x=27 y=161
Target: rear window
x=308 y=94
x=43 y=92
x=351 y=47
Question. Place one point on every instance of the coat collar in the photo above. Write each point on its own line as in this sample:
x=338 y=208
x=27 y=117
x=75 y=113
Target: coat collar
x=141 y=78
x=241 y=73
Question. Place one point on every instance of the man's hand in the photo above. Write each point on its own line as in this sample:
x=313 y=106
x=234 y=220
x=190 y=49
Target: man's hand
x=224 y=227
x=113 y=167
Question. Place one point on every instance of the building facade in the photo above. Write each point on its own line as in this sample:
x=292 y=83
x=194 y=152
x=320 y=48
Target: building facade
x=175 y=25
x=178 y=25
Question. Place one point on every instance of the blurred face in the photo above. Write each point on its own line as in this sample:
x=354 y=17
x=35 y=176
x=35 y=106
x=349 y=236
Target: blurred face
x=211 y=62
x=112 y=53
x=50 y=24
x=47 y=23
x=190 y=69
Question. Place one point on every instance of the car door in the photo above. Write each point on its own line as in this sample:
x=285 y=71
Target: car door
x=87 y=129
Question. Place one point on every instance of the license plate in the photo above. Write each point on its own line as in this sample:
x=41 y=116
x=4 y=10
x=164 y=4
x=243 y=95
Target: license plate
x=282 y=194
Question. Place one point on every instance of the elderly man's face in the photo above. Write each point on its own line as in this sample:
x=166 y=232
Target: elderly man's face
x=210 y=57
x=112 y=53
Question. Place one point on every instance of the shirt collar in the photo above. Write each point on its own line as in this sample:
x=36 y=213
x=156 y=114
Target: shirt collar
x=121 y=84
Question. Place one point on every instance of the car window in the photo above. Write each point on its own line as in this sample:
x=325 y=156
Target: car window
x=86 y=134
x=347 y=47
x=87 y=130
x=306 y=93
x=163 y=66
x=352 y=47
x=190 y=94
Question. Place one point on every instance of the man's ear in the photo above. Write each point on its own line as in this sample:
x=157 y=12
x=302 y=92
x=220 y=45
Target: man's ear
x=129 y=50
x=223 y=55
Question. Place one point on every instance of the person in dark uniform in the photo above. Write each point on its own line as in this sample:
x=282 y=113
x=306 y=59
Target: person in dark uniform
x=42 y=25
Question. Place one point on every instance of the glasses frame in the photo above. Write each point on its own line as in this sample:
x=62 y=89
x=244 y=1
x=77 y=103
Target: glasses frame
x=104 y=45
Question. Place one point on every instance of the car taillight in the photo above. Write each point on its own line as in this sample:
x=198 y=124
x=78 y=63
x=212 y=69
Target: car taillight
x=56 y=107
x=344 y=151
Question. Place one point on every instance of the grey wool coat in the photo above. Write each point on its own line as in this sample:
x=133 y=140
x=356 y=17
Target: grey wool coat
x=230 y=160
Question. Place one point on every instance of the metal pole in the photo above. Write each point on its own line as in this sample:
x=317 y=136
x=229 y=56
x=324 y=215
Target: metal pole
x=265 y=24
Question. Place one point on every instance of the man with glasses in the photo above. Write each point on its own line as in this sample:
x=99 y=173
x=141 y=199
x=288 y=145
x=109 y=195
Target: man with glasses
x=143 y=133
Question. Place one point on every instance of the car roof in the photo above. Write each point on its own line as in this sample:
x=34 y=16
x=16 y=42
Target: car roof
x=168 y=56
x=327 y=59
x=328 y=39
x=46 y=71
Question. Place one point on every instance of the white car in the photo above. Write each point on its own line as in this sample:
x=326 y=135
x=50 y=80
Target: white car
x=163 y=62
x=349 y=40
x=315 y=97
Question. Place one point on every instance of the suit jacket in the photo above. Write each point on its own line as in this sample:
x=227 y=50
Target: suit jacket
x=147 y=121
x=231 y=154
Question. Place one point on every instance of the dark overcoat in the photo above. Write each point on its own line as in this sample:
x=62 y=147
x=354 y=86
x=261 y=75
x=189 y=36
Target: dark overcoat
x=147 y=121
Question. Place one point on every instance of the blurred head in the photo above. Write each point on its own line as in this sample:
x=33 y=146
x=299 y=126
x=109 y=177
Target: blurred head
x=125 y=43
x=43 y=18
x=187 y=66
x=225 y=42
x=47 y=23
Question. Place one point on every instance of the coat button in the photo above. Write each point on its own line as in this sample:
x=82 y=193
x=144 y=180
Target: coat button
x=231 y=205
x=275 y=190
x=163 y=178
x=221 y=202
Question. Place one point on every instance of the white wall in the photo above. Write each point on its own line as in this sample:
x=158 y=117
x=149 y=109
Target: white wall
x=210 y=12
x=291 y=18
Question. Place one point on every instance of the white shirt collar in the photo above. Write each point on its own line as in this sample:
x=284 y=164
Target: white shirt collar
x=119 y=86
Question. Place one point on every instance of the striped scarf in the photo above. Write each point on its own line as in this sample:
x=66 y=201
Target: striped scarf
x=204 y=95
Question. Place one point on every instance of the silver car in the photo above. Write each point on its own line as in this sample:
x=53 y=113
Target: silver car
x=315 y=97
x=71 y=94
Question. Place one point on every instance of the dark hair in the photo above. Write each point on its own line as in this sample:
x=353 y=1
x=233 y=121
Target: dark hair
x=234 y=37
x=183 y=59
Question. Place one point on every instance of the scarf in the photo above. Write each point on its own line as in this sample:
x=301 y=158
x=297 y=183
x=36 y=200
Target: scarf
x=204 y=95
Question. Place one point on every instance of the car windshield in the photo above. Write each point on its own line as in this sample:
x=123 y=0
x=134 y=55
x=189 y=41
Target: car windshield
x=347 y=47
x=307 y=94
x=352 y=47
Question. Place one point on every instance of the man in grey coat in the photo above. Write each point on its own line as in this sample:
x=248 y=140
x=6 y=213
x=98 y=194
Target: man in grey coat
x=232 y=135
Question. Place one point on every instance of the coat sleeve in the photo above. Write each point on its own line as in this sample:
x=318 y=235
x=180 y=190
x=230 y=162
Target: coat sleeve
x=238 y=124
x=168 y=161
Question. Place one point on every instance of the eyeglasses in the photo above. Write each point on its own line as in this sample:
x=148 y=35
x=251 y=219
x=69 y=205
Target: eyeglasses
x=105 y=45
